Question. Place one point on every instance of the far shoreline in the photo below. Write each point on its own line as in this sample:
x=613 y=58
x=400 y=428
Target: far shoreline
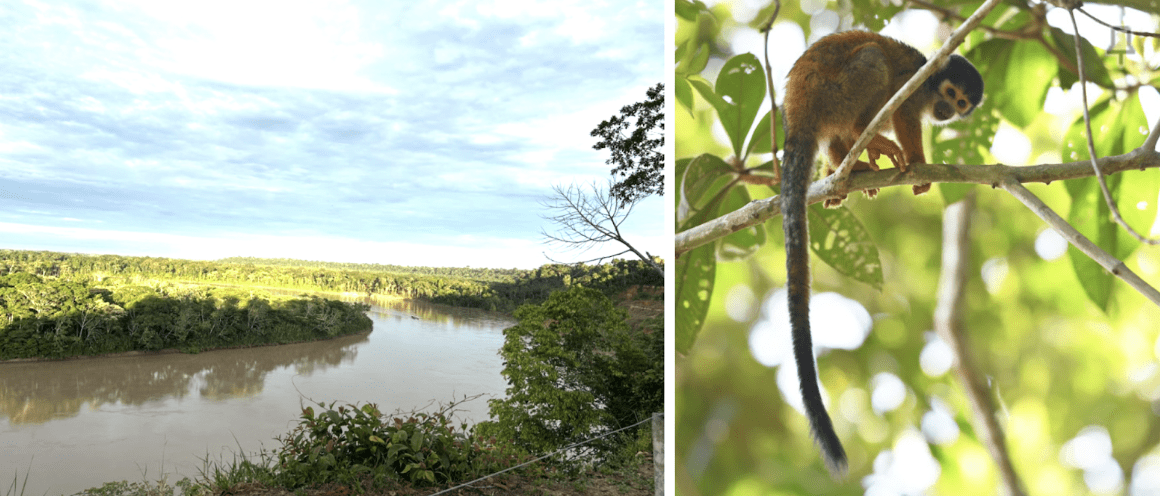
x=171 y=351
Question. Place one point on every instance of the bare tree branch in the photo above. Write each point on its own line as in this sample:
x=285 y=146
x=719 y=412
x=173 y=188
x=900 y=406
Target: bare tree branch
x=1118 y=28
x=585 y=221
x=1153 y=137
x=948 y=322
x=1105 y=259
x=759 y=211
x=765 y=29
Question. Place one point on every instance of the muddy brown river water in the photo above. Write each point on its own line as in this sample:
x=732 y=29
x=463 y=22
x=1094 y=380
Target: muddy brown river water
x=71 y=425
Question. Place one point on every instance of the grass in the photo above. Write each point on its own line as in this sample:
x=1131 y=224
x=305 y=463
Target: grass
x=249 y=476
x=16 y=481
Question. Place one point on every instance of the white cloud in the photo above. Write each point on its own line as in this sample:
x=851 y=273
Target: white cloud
x=347 y=122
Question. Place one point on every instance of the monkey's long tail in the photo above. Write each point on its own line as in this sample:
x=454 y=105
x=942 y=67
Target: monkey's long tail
x=796 y=174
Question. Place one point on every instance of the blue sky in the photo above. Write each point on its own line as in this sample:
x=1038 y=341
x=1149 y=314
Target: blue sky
x=413 y=133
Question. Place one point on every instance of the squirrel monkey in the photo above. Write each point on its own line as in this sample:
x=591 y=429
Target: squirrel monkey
x=837 y=86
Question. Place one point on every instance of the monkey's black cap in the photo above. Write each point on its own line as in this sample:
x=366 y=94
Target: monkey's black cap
x=960 y=71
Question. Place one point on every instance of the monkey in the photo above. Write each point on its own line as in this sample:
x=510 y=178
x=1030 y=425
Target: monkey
x=833 y=92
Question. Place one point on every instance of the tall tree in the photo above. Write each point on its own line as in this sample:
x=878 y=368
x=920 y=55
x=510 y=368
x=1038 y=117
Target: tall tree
x=635 y=139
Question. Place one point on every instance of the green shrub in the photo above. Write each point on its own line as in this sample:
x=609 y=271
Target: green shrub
x=575 y=370
x=351 y=444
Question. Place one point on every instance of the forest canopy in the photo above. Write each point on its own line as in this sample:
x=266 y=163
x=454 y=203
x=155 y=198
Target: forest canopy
x=501 y=290
x=57 y=318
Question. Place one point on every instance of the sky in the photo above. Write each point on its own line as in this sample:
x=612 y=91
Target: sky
x=410 y=133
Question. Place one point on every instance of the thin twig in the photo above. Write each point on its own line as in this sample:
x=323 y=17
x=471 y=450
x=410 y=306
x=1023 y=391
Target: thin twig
x=1078 y=240
x=1153 y=138
x=1118 y=28
x=758 y=211
x=584 y=222
x=948 y=322
x=561 y=450
x=1087 y=121
x=915 y=81
x=996 y=32
x=765 y=29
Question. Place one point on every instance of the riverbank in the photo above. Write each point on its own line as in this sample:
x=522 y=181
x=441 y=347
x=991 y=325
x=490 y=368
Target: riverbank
x=54 y=318
x=175 y=351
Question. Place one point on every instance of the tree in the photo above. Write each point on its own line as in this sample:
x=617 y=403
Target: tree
x=1015 y=309
x=637 y=156
x=575 y=371
x=586 y=220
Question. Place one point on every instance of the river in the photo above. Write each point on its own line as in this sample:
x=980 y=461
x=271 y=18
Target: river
x=75 y=424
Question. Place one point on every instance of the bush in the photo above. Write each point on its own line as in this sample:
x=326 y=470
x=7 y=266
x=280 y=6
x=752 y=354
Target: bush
x=576 y=370
x=352 y=444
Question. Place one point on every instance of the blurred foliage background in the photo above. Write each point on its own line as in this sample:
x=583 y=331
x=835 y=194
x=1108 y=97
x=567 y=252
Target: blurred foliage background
x=1070 y=354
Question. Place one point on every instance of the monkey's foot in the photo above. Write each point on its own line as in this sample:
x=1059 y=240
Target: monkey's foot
x=871 y=193
x=834 y=202
x=921 y=188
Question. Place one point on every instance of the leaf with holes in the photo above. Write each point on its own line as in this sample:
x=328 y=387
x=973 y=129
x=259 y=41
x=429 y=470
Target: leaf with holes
x=696 y=272
x=739 y=90
x=840 y=240
x=741 y=244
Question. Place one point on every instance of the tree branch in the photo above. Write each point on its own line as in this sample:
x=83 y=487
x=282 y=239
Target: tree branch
x=759 y=211
x=586 y=221
x=1118 y=28
x=1105 y=259
x=1087 y=121
x=948 y=322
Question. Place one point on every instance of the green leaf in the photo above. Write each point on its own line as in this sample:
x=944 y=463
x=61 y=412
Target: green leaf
x=692 y=57
x=706 y=91
x=1117 y=128
x=1017 y=75
x=741 y=244
x=741 y=85
x=963 y=142
x=377 y=439
x=840 y=240
x=696 y=273
x=700 y=189
x=874 y=13
x=688 y=10
x=684 y=93
x=1093 y=62
x=1089 y=215
x=679 y=169
x=417 y=441
x=761 y=137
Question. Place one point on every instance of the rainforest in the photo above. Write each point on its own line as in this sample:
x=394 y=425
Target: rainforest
x=58 y=305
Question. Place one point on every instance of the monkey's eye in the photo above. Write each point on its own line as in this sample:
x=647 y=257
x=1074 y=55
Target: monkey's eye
x=962 y=104
x=951 y=92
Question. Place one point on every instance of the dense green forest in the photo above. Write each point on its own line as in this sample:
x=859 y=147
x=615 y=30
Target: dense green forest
x=56 y=318
x=479 y=274
x=501 y=290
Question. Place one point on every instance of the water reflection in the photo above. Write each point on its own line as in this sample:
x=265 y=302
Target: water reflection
x=80 y=423
x=36 y=392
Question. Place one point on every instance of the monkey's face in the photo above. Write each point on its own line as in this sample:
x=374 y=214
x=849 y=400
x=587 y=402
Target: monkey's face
x=951 y=103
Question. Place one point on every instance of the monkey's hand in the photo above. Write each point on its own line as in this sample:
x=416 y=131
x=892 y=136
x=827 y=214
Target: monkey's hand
x=881 y=146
